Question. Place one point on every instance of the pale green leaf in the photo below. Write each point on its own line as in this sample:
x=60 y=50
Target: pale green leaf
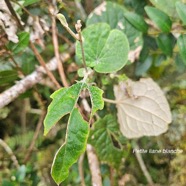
x=167 y=6
x=181 y=10
x=106 y=50
x=182 y=47
x=101 y=137
x=63 y=103
x=113 y=14
x=75 y=145
x=62 y=19
x=161 y=19
x=30 y=2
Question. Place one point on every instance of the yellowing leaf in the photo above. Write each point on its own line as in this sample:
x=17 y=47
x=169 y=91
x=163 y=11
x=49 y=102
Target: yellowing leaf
x=142 y=108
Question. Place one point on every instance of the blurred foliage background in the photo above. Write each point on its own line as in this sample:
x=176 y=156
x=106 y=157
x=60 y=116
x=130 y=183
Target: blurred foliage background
x=20 y=119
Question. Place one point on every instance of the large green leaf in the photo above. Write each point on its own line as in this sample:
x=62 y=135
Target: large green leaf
x=106 y=50
x=161 y=19
x=137 y=21
x=103 y=136
x=181 y=10
x=113 y=14
x=75 y=145
x=63 y=103
x=96 y=98
x=167 y=6
x=21 y=45
x=182 y=47
x=8 y=76
x=30 y=2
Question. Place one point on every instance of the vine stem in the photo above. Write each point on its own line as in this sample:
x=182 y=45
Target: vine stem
x=10 y=153
x=56 y=47
x=142 y=165
x=78 y=29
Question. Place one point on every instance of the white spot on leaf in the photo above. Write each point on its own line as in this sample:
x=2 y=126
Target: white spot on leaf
x=143 y=112
x=134 y=54
x=121 y=26
x=101 y=8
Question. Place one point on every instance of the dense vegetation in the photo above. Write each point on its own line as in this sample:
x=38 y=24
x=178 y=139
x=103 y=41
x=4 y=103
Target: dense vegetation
x=91 y=89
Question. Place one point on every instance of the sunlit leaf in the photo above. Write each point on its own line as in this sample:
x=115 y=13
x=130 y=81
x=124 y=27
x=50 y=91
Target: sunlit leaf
x=63 y=103
x=142 y=108
x=181 y=10
x=106 y=50
x=161 y=19
x=74 y=146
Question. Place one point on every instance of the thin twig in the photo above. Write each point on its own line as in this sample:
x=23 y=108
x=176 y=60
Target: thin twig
x=56 y=48
x=142 y=165
x=80 y=168
x=36 y=134
x=94 y=166
x=78 y=29
x=10 y=153
x=43 y=64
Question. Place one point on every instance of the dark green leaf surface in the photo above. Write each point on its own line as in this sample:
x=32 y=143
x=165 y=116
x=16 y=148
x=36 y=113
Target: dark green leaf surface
x=8 y=76
x=106 y=50
x=181 y=10
x=21 y=45
x=113 y=14
x=165 y=44
x=137 y=21
x=161 y=19
x=75 y=145
x=96 y=99
x=101 y=137
x=63 y=103
x=182 y=47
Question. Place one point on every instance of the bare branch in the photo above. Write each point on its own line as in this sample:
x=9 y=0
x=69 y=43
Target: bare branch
x=94 y=166
x=29 y=81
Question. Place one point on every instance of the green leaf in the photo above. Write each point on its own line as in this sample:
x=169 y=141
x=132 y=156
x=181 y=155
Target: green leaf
x=62 y=19
x=165 y=44
x=96 y=99
x=182 y=47
x=161 y=19
x=63 y=103
x=137 y=21
x=21 y=45
x=167 y=6
x=30 y=2
x=181 y=10
x=106 y=50
x=75 y=145
x=113 y=14
x=8 y=76
x=101 y=137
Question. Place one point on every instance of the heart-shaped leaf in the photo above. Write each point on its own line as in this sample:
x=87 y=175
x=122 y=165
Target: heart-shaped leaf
x=74 y=146
x=161 y=19
x=106 y=50
x=101 y=137
x=142 y=108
